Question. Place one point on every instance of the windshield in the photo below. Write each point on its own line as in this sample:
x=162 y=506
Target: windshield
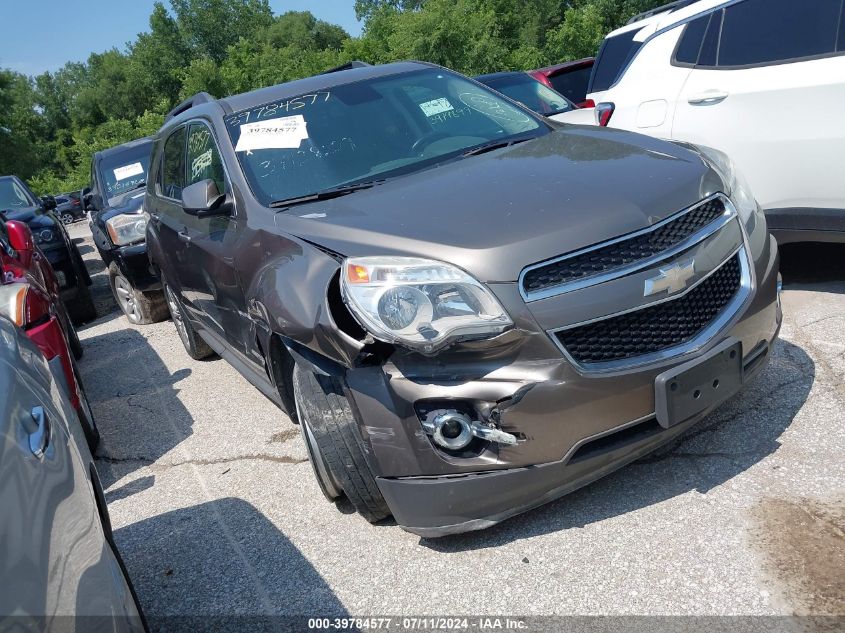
x=369 y=130
x=12 y=195
x=532 y=94
x=125 y=170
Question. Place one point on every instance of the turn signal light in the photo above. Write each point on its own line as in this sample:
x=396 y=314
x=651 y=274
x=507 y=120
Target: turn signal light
x=603 y=113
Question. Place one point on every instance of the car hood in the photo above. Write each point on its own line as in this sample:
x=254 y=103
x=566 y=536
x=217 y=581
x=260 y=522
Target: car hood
x=129 y=202
x=34 y=217
x=496 y=213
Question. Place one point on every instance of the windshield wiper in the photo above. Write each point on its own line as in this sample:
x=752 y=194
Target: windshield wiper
x=325 y=194
x=489 y=147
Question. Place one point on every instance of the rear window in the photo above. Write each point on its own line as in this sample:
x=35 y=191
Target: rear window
x=768 y=31
x=573 y=84
x=614 y=55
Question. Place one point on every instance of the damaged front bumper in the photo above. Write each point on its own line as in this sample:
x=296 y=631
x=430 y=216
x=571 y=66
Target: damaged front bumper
x=571 y=427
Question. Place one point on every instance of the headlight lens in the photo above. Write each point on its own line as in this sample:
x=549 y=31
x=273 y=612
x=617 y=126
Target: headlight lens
x=125 y=229
x=740 y=192
x=419 y=303
x=44 y=236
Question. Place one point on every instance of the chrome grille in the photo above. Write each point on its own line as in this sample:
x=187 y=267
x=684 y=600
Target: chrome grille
x=658 y=327
x=620 y=256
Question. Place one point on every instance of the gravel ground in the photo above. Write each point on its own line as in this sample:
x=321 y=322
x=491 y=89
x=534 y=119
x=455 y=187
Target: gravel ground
x=216 y=511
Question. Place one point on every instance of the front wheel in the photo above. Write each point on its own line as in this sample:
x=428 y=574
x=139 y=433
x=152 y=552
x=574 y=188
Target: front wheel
x=334 y=443
x=196 y=347
x=66 y=218
x=139 y=307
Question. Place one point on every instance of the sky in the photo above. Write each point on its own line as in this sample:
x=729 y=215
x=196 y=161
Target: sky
x=42 y=35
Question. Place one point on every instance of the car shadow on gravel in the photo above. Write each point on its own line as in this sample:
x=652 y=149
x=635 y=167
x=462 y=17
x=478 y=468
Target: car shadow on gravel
x=737 y=436
x=135 y=402
x=215 y=565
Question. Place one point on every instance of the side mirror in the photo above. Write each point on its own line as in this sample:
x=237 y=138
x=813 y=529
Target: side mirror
x=20 y=239
x=49 y=202
x=203 y=200
x=85 y=198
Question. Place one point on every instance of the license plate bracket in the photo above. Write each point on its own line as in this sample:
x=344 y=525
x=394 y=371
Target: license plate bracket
x=689 y=389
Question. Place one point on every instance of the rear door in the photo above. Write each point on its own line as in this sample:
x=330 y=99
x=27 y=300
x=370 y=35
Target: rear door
x=53 y=551
x=768 y=90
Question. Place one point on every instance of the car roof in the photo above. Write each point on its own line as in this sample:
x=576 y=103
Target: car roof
x=665 y=17
x=333 y=78
x=573 y=65
x=123 y=146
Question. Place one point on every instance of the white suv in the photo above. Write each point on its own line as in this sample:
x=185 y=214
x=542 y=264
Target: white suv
x=761 y=80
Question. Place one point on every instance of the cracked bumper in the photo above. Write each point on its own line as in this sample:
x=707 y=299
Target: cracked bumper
x=563 y=416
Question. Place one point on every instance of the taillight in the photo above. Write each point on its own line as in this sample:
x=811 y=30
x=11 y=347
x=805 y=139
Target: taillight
x=587 y=103
x=23 y=305
x=603 y=113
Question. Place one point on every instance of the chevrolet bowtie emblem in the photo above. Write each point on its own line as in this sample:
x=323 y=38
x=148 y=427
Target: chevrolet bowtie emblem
x=671 y=279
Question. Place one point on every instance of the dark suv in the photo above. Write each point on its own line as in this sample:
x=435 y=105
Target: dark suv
x=470 y=310
x=118 y=223
x=17 y=202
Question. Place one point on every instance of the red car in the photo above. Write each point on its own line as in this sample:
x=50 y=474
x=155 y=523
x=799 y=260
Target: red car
x=570 y=79
x=29 y=297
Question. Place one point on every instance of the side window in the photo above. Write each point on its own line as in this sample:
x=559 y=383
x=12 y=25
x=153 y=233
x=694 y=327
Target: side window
x=172 y=179
x=204 y=161
x=686 y=53
x=573 y=85
x=771 y=31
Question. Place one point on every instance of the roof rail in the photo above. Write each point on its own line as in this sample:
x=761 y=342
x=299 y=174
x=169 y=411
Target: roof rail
x=187 y=104
x=346 y=66
x=672 y=6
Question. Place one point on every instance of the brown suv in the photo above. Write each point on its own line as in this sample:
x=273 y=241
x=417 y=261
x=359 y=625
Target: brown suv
x=469 y=309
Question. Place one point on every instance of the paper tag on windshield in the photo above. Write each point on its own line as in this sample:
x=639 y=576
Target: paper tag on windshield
x=284 y=133
x=433 y=108
x=122 y=173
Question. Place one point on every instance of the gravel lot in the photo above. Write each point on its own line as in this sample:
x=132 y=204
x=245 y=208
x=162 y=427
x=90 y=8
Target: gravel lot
x=216 y=511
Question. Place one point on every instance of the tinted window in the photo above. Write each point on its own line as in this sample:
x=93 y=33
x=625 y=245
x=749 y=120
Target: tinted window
x=761 y=31
x=125 y=169
x=690 y=42
x=173 y=165
x=372 y=129
x=203 y=157
x=573 y=84
x=613 y=57
x=531 y=93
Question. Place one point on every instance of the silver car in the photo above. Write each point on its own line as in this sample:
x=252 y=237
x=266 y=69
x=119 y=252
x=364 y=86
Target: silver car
x=57 y=555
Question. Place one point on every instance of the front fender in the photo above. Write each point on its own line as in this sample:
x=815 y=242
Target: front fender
x=291 y=296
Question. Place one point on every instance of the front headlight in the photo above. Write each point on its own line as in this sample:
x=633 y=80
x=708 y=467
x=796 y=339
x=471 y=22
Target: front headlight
x=419 y=303
x=739 y=191
x=45 y=236
x=125 y=229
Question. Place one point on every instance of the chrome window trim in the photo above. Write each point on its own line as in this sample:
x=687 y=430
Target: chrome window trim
x=592 y=280
x=676 y=352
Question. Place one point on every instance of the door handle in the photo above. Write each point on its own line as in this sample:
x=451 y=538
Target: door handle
x=40 y=438
x=707 y=98
x=183 y=235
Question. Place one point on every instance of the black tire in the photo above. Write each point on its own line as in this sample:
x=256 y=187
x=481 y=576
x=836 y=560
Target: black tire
x=196 y=347
x=86 y=417
x=81 y=308
x=139 y=308
x=67 y=218
x=325 y=411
